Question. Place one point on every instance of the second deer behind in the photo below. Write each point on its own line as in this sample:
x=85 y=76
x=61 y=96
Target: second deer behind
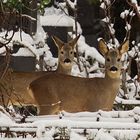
x=65 y=54
x=21 y=80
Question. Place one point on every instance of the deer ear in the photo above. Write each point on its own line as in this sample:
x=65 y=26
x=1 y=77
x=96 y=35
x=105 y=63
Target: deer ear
x=103 y=47
x=124 y=47
x=74 y=41
x=59 y=43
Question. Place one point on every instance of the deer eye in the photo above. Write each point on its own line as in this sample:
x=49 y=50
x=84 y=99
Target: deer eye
x=108 y=59
x=62 y=52
x=118 y=59
x=71 y=52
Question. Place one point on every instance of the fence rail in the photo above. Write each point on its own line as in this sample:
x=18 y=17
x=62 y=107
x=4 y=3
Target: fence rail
x=82 y=123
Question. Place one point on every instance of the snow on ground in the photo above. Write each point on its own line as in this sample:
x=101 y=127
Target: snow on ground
x=98 y=130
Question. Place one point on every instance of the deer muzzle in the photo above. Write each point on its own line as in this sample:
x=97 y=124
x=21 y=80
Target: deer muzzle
x=67 y=60
x=113 y=69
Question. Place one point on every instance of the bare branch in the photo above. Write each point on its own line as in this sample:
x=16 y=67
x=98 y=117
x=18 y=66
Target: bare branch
x=135 y=7
x=107 y=13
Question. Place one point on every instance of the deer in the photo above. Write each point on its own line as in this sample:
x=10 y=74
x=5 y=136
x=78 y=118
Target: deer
x=56 y=92
x=21 y=80
x=65 y=54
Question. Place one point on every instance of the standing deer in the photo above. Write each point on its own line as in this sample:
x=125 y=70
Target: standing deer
x=21 y=80
x=56 y=92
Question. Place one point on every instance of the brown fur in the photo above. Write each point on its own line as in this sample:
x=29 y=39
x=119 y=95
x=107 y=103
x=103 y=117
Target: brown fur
x=76 y=94
x=21 y=80
x=80 y=94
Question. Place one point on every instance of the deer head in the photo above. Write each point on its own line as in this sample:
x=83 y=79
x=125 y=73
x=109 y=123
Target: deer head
x=65 y=51
x=113 y=58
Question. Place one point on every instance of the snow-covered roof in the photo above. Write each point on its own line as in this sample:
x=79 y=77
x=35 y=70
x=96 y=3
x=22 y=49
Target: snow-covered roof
x=55 y=17
x=56 y=20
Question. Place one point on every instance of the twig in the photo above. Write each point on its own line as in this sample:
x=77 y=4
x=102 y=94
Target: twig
x=129 y=22
x=1 y=5
x=135 y=8
x=7 y=63
x=108 y=15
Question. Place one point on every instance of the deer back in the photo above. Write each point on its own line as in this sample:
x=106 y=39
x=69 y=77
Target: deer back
x=56 y=92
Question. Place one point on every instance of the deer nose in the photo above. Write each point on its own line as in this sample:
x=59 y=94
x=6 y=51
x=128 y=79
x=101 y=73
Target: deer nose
x=67 y=60
x=113 y=68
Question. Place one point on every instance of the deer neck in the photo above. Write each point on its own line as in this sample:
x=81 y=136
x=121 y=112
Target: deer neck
x=112 y=82
x=64 y=69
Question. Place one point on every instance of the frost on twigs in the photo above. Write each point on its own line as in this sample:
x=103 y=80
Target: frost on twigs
x=106 y=19
x=124 y=14
x=128 y=27
x=106 y=6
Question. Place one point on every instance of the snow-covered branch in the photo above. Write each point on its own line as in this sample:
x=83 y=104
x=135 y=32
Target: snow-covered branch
x=134 y=4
